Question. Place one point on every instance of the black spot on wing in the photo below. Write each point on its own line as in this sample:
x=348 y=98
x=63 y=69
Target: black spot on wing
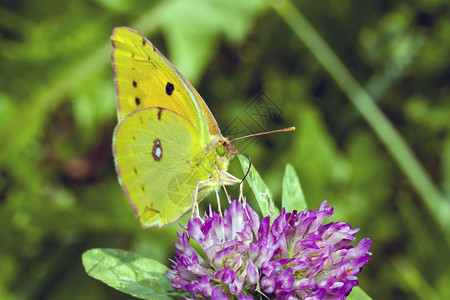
x=149 y=210
x=157 y=151
x=134 y=83
x=169 y=88
x=159 y=114
x=137 y=100
x=143 y=42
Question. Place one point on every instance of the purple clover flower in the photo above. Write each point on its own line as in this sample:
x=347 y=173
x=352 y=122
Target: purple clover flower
x=244 y=258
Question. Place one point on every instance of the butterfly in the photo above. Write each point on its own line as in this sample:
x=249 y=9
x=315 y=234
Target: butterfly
x=168 y=150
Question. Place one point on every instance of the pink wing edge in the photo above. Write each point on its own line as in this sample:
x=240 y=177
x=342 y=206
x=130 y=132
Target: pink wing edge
x=187 y=84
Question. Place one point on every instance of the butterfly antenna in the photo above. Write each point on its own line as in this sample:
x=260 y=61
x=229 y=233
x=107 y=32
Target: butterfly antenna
x=292 y=128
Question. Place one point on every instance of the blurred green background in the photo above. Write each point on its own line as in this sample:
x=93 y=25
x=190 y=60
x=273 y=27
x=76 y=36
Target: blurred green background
x=59 y=194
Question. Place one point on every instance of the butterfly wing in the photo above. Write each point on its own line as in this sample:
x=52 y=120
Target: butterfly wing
x=154 y=150
x=212 y=123
x=145 y=78
x=162 y=144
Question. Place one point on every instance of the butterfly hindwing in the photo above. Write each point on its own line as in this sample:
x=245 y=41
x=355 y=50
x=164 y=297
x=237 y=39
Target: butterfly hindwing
x=153 y=149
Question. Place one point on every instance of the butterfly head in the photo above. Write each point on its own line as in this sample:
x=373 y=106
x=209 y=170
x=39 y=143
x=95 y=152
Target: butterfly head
x=224 y=148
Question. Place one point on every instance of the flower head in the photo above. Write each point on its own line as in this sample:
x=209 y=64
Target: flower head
x=297 y=257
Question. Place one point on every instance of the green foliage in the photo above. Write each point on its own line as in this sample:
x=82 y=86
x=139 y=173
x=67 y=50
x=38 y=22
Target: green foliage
x=128 y=272
x=145 y=278
x=292 y=197
x=58 y=189
x=262 y=193
x=358 y=294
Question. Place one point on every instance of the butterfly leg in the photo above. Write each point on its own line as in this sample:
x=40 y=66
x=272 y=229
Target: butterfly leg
x=244 y=201
x=223 y=185
x=241 y=192
x=218 y=203
x=195 y=209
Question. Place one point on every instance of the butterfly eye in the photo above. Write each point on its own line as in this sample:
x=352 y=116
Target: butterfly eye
x=220 y=149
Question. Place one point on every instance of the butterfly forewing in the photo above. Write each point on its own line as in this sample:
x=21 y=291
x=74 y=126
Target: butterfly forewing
x=145 y=78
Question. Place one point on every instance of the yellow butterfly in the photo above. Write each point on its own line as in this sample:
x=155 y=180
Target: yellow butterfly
x=168 y=148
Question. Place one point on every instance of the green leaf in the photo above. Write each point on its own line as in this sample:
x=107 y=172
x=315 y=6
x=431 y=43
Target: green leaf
x=261 y=191
x=358 y=294
x=128 y=272
x=194 y=45
x=292 y=197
